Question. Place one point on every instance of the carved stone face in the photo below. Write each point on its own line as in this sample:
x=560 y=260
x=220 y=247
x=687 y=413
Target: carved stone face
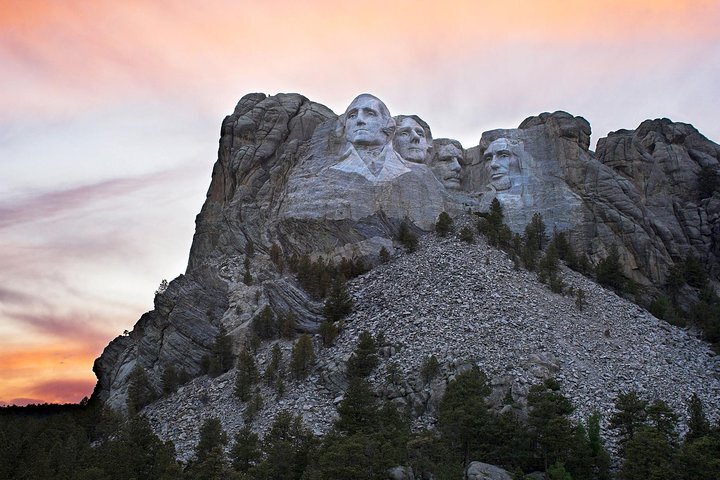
x=446 y=166
x=410 y=141
x=501 y=164
x=365 y=119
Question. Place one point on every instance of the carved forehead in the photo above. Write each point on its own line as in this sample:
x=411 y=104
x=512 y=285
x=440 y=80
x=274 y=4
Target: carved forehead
x=408 y=122
x=449 y=150
x=366 y=100
x=499 y=144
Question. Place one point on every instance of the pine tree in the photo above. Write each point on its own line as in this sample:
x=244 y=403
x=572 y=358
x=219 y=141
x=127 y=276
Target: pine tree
x=358 y=410
x=221 y=358
x=245 y=451
x=463 y=418
x=364 y=358
x=609 y=271
x=273 y=370
x=253 y=407
x=140 y=391
x=210 y=462
x=288 y=326
x=339 y=303
x=384 y=255
x=328 y=333
x=698 y=425
x=630 y=415
x=444 y=224
x=247 y=375
x=247 y=276
x=467 y=235
x=407 y=237
x=303 y=357
x=264 y=324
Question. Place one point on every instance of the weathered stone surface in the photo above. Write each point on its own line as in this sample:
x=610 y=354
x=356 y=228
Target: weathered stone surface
x=288 y=174
x=467 y=305
x=485 y=471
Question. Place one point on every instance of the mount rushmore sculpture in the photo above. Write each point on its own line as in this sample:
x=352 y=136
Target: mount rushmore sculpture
x=293 y=176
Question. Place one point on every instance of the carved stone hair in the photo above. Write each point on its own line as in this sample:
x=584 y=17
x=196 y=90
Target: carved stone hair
x=426 y=128
x=388 y=129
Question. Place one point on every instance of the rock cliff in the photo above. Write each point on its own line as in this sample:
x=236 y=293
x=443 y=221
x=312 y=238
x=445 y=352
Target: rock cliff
x=293 y=174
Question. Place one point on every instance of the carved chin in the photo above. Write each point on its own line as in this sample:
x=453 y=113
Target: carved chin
x=501 y=184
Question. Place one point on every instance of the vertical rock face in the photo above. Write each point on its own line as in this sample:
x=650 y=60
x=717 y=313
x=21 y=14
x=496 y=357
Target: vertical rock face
x=291 y=173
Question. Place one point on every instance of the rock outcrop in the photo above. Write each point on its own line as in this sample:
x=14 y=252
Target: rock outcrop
x=288 y=178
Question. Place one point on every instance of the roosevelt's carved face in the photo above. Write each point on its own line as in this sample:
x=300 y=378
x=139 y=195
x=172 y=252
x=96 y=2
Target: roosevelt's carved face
x=446 y=166
x=410 y=141
x=365 y=121
x=500 y=164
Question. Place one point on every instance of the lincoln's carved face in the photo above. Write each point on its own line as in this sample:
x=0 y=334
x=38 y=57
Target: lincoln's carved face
x=446 y=166
x=410 y=141
x=501 y=163
x=366 y=121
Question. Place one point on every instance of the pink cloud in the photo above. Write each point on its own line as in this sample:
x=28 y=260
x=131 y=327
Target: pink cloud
x=63 y=391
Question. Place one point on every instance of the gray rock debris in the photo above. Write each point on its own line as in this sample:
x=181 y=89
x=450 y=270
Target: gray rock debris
x=467 y=305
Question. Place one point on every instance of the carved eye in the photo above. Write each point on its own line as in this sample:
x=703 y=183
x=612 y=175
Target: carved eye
x=371 y=113
x=352 y=114
x=421 y=134
x=404 y=133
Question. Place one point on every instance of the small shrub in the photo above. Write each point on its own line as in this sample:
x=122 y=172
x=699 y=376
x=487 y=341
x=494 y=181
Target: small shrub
x=467 y=234
x=444 y=224
x=328 y=332
x=430 y=369
x=384 y=255
x=407 y=237
x=303 y=357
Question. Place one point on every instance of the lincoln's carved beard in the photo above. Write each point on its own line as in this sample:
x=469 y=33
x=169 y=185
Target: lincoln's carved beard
x=501 y=184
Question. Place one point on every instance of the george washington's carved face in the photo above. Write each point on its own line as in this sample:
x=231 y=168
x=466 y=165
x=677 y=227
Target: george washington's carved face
x=410 y=141
x=366 y=120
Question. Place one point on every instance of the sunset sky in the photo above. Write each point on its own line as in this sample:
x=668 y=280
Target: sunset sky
x=110 y=114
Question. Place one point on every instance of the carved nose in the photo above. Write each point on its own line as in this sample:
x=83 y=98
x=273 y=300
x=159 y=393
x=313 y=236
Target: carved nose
x=494 y=164
x=455 y=166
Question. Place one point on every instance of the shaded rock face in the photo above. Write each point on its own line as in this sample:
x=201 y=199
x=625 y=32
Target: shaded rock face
x=290 y=173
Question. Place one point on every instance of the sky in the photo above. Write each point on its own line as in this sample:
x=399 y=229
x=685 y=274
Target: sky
x=110 y=116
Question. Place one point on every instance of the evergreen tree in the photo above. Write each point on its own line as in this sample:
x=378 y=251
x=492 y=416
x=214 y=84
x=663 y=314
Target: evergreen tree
x=250 y=249
x=303 y=357
x=463 y=418
x=247 y=375
x=467 y=234
x=535 y=236
x=339 y=303
x=210 y=462
x=358 y=410
x=384 y=255
x=140 y=392
x=328 y=332
x=287 y=447
x=663 y=418
x=609 y=271
x=550 y=427
x=630 y=415
x=221 y=358
x=444 y=224
x=276 y=256
x=407 y=237
x=364 y=358
x=698 y=425
x=288 y=326
x=430 y=369
x=253 y=407
x=648 y=456
x=274 y=368
x=247 y=276
x=264 y=324
x=245 y=451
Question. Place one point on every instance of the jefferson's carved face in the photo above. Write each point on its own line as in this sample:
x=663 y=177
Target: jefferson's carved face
x=446 y=166
x=365 y=119
x=410 y=141
x=500 y=164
